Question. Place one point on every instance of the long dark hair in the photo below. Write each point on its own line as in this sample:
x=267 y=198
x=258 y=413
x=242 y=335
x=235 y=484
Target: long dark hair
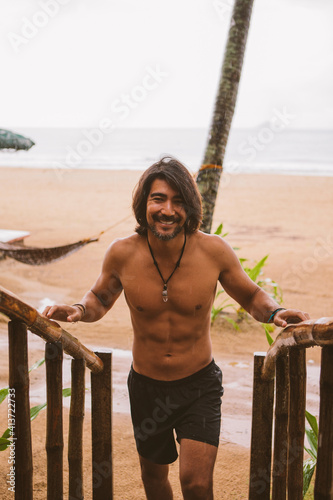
x=180 y=179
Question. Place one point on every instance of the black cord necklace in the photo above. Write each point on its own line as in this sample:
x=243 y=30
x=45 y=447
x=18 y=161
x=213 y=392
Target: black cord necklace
x=165 y=286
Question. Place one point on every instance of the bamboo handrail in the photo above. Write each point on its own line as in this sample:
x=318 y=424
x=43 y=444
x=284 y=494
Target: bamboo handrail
x=15 y=309
x=308 y=333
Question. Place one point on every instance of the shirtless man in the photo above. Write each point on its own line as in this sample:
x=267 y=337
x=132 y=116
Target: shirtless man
x=169 y=272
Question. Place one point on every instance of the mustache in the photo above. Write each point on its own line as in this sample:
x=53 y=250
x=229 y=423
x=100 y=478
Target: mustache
x=165 y=218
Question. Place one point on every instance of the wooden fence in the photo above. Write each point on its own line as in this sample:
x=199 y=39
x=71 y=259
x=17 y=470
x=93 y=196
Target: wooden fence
x=22 y=317
x=278 y=477
x=281 y=476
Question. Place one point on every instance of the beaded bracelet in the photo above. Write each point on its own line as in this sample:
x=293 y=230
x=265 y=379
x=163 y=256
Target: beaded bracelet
x=274 y=312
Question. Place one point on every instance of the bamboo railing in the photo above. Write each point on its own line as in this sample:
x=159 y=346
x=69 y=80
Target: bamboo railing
x=22 y=317
x=286 y=361
x=50 y=331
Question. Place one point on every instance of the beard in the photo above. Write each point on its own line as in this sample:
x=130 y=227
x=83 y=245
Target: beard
x=164 y=236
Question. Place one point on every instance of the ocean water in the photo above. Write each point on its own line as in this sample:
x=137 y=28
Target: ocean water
x=257 y=150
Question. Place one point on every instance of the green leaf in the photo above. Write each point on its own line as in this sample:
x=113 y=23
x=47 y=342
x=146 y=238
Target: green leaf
x=268 y=336
x=233 y=323
x=66 y=392
x=6 y=434
x=214 y=314
x=3 y=394
x=35 y=410
x=269 y=327
x=4 y=443
x=310 y=452
x=219 y=230
x=308 y=470
x=4 y=440
x=37 y=364
x=313 y=422
x=313 y=441
x=255 y=271
x=216 y=311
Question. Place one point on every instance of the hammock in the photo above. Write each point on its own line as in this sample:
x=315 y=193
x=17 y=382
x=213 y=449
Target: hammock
x=35 y=256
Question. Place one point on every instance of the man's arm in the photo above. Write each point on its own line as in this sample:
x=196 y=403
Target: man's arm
x=97 y=301
x=250 y=296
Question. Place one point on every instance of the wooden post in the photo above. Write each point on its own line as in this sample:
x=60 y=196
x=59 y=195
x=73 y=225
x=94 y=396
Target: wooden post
x=101 y=429
x=280 y=460
x=297 y=370
x=76 y=416
x=54 y=432
x=19 y=411
x=324 y=473
x=261 y=438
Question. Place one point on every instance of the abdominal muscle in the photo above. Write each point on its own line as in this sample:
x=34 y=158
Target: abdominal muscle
x=170 y=353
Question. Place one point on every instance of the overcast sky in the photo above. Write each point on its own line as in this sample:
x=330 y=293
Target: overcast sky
x=157 y=64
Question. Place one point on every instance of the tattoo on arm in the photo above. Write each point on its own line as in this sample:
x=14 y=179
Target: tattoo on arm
x=103 y=302
x=258 y=289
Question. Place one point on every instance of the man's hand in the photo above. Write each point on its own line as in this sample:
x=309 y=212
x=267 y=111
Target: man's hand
x=62 y=312
x=287 y=316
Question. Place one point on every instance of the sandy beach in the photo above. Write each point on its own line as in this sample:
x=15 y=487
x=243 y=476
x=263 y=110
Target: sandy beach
x=287 y=217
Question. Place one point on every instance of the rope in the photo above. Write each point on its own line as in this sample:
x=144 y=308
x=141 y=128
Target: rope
x=113 y=225
x=206 y=166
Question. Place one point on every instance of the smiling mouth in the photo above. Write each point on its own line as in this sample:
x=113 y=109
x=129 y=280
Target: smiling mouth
x=166 y=221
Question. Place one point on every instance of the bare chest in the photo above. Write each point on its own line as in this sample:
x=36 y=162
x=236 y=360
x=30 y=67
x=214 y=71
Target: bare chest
x=190 y=289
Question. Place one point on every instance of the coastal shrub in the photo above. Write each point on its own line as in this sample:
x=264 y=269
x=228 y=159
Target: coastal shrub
x=309 y=465
x=256 y=274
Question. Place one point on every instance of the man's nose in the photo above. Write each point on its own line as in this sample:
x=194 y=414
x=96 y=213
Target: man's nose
x=167 y=208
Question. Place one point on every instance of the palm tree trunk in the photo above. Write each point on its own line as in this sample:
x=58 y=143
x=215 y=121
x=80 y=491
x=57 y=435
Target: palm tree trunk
x=209 y=174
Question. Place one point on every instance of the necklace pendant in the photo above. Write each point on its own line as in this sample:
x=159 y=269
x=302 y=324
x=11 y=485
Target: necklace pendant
x=165 y=294
x=165 y=282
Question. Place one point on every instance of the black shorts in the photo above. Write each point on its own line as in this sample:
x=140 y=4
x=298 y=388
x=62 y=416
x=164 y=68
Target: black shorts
x=191 y=406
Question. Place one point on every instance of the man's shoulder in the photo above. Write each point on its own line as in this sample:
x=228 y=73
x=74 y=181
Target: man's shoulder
x=214 y=248
x=121 y=247
x=210 y=242
x=120 y=251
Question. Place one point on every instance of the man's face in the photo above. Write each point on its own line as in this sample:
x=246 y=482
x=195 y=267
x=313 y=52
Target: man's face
x=165 y=214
